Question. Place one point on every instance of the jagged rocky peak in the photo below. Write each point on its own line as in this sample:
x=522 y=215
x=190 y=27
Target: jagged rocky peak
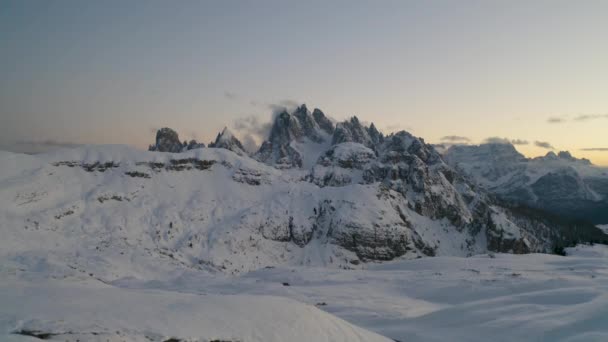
x=322 y=120
x=353 y=131
x=401 y=144
x=301 y=126
x=167 y=140
x=225 y=139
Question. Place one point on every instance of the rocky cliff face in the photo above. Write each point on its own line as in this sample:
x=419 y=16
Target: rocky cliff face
x=282 y=149
x=167 y=140
x=353 y=131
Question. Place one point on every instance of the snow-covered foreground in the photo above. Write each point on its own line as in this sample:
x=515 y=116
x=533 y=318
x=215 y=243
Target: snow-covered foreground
x=533 y=297
x=95 y=312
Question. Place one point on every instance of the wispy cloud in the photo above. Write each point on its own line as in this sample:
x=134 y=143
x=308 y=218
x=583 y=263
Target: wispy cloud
x=544 y=144
x=519 y=142
x=596 y=149
x=390 y=128
x=230 y=95
x=499 y=140
x=283 y=105
x=556 y=119
x=456 y=139
x=587 y=117
x=496 y=140
x=579 y=118
x=253 y=130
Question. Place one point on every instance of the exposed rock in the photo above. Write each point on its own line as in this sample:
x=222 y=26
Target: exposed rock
x=323 y=122
x=227 y=140
x=287 y=131
x=167 y=140
x=353 y=131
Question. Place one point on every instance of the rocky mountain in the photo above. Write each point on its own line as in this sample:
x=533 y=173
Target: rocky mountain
x=296 y=139
x=353 y=131
x=167 y=140
x=314 y=194
x=559 y=182
x=228 y=141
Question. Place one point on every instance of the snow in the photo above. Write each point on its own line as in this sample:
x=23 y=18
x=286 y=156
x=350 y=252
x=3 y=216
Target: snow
x=500 y=297
x=174 y=255
x=72 y=311
x=350 y=150
x=603 y=227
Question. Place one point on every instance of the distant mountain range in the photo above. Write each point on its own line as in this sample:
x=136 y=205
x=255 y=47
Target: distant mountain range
x=316 y=193
x=558 y=183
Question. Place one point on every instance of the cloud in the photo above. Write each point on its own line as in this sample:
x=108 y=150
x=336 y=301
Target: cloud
x=499 y=140
x=496 y=140
x=249 y=143
x=556 y=119
x=587 y=117
x=579 y=118
x=253 y=129
x=519 y=142
x=455 y=139
x=37 y=146
x=253 y=125
x=544 y=144
x=596 y=149
x=230 y=95
x=283 y=105
x=390 y=128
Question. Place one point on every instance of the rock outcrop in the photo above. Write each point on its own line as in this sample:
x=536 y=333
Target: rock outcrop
x=227 y=140
x=167 y=140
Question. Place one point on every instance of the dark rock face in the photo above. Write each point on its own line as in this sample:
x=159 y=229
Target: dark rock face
x=414 y=169
x=324 y=123
x=408 y=166
x=287 y=128
x=192 y=144
x=348 y=156
x=167 y=140
x=353 y=131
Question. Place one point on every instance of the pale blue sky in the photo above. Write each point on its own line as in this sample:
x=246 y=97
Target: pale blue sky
x=112 y=71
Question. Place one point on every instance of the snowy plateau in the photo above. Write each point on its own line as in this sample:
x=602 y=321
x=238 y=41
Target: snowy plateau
x=328 y=232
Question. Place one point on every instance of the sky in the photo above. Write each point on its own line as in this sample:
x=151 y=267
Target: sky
x=531 y=72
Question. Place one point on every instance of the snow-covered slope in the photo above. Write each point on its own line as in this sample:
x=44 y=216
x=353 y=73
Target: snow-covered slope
x=497 y=297
x=75 y=311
